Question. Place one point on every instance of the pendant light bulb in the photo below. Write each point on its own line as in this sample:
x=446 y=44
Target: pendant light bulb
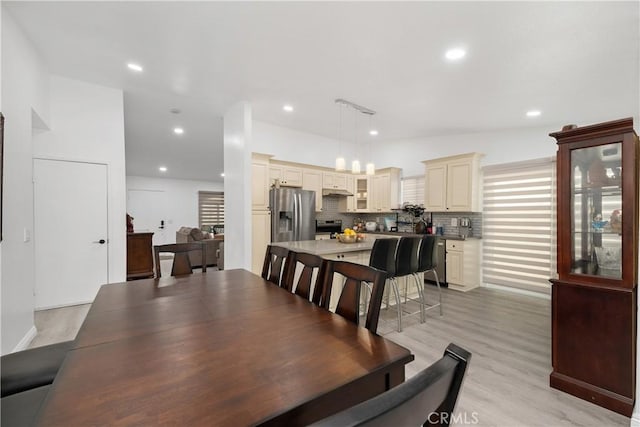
x=340 y=164
x=355 y=166
x=371 y=169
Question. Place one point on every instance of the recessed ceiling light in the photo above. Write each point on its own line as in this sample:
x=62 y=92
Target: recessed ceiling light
x=533 y=113
x=288 y=108
x=178 y=131
x=455 y=54
x=222 y=174
x=134 y=67
x=162 y=168
x=373 y=132
x=175 y=111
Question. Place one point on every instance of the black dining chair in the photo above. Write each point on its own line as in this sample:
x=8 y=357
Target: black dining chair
x=304 y=287
x=428 y=398
x=21 y=409
x=274 y=264
x=349 y=302
x=181 y=262
x=28 y=369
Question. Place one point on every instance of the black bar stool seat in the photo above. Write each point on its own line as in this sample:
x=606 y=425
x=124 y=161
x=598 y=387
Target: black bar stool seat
x=383 y=257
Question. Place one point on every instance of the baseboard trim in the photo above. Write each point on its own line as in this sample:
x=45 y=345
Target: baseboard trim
x=63 y=305
x=635 y=420
x=518 y=291
x=592 y=393
x=26 y=340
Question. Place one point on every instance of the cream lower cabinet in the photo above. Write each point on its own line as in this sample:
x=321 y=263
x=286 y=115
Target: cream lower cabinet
x=261 y=237
x=463 y=264
x=452 y=184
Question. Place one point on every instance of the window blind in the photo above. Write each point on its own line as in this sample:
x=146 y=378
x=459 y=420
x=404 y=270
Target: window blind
x=210 y=209
x=518 y=233
x=412 y=189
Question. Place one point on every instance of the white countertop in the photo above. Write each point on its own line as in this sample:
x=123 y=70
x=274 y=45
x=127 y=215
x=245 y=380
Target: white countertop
x=326 y=247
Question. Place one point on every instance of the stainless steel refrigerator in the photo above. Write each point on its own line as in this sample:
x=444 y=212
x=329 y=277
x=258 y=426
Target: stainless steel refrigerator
x=293 y=214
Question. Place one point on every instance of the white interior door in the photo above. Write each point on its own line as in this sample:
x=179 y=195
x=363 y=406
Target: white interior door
x=149 y=210
x=70 y=231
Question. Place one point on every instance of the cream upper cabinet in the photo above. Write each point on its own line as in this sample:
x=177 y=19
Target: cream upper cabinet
x=312 y=180
x=259 y=183
x=385 y=191
x=452 y=184
x=334 y=181
x=289 y=176
x=348 y=204
x=362 y=193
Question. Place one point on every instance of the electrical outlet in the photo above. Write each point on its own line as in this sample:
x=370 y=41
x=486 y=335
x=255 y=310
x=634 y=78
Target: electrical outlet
x=454 y=222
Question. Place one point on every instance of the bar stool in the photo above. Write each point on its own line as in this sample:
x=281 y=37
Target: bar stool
x=407 y=265
x=428 y=261
x=383 y=257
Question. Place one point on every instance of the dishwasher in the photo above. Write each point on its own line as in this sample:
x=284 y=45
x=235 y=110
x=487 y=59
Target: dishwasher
x=441 y=269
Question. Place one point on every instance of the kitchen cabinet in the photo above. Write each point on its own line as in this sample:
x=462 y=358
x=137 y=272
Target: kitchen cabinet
x=385 y=190
x=463 y=264
x=334 y=181
x=312 y=180
x=289 y=176
x=348 y=204
x=260 y=239
x=594 y=298
x=259 y=182
x=452 y=184
x=361 y=194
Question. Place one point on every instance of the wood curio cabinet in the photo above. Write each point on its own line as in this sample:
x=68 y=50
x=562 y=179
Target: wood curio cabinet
x=594 y=297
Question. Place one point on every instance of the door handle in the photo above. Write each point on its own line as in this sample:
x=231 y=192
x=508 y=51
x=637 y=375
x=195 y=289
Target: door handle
x=101 y=241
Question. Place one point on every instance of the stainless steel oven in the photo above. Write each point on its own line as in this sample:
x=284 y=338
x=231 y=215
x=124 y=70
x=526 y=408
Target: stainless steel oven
x=329 y=226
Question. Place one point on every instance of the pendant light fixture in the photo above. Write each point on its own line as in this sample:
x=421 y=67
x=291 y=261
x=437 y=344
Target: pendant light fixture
x=371 y=168
x=340 y=162
x=355 y=164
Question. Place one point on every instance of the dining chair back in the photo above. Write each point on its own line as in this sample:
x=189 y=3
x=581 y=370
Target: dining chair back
x=32 y=368
x=274 y=264
x=181 y=264
x=349 y=301
x=427 y=398
x=304 y=286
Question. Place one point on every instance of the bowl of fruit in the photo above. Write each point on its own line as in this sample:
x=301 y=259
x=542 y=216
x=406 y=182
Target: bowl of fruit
x=349 y=236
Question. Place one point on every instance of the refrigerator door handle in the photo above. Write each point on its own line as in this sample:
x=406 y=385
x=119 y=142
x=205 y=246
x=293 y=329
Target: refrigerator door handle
x=295 y=216
x=299 y=215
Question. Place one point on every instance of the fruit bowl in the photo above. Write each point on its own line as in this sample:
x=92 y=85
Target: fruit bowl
x=347 y=238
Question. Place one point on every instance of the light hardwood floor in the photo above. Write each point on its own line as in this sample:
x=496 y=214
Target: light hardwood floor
x=509 y=336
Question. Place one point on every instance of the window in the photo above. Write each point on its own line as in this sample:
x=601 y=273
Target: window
x=519 y=238
x=413 y=190
x=210 y=209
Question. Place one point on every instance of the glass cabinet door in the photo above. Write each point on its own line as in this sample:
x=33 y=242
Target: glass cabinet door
x=596 y=215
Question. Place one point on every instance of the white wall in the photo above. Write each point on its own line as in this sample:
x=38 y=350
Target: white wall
x=295 y=146
x=238 y=145
x=24 y=91
x=87 y=124
x=498 y=147
x=182 y=194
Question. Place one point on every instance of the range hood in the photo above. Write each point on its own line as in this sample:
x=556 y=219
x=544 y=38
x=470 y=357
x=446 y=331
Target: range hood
x=335 y=192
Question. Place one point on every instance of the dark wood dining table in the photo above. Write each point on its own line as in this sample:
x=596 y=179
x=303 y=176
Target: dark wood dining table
x=216 y=348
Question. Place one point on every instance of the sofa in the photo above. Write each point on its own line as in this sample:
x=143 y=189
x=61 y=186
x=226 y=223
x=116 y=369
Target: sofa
x=194 y=234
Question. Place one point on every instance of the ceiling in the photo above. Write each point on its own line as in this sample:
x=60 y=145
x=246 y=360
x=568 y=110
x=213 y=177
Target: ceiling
x=577 y=62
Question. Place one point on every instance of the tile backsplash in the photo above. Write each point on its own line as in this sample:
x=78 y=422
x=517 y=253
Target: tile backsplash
x=330 y=211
